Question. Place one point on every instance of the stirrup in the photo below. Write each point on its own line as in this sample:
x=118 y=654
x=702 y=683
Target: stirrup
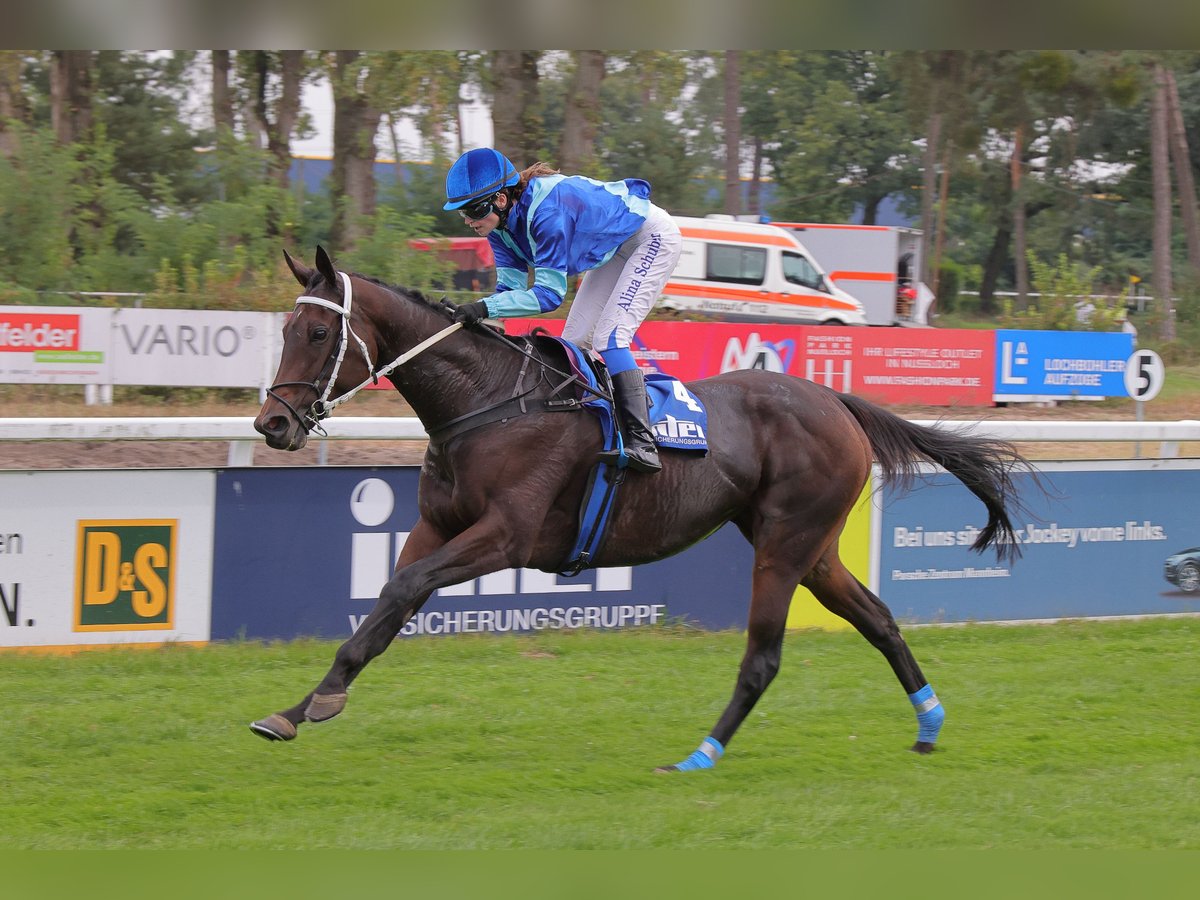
x=639 y=459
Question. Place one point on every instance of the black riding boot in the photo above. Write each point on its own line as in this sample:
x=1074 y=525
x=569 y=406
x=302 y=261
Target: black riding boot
x=633 y=417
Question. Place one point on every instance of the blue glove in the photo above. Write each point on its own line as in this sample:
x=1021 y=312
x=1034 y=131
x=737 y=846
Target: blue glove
x=471 y=314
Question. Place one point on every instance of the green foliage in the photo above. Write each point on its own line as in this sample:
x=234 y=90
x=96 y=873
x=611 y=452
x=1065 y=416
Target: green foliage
x=143 y=114
x=949 y=284
x=836 y=131
x=642 y=138
x=385 y=254
x=1068 y=300
x=1185 y=349
x=37 y=188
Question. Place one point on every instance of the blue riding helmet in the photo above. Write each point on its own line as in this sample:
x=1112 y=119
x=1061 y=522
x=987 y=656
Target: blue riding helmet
x=477 y=174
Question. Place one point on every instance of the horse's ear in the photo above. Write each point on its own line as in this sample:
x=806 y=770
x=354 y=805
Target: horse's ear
x=302 y=272
x=325 y=267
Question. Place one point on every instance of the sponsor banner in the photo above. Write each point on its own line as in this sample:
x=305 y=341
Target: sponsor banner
x=197 y=348
x=1055 y=364
x=934 y=366
x=105 y=557
x=54 y=345
x=693 y=350
x=305 y=552
x=1101 y=548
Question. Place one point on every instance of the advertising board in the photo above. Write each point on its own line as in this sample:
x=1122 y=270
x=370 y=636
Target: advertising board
x=305 y=552
x=197 y=348
x=54 y=345
x=105 y=557
x=939 y=367
x=934 y=366
x=1098 y=546
x=1048 y=365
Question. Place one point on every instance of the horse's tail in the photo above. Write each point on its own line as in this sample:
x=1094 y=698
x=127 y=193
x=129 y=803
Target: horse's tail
x=984 y=465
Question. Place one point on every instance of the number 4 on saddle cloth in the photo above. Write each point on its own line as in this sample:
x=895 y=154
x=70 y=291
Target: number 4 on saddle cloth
x=679 y=423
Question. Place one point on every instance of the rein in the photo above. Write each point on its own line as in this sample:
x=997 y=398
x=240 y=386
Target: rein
x=501 y=411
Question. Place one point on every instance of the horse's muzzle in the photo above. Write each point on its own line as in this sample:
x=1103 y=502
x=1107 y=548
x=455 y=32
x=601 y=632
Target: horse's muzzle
x=282 y=431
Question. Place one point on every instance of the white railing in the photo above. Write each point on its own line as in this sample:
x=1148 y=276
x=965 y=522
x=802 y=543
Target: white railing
x=239 y=431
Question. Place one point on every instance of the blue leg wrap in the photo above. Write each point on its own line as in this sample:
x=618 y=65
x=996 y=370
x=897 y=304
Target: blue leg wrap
x=703 y=757
x=930 y=714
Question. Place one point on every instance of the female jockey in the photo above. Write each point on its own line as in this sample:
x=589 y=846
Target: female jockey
x=559 y=226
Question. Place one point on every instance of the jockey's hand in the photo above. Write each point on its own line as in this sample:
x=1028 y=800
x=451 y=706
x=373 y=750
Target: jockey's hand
x=450 y=307
x=471 y=314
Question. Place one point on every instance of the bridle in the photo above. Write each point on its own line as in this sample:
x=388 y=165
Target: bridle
x=323 y=406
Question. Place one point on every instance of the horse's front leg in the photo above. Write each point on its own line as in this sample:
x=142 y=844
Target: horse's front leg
x=426 y=563
x=773 y=588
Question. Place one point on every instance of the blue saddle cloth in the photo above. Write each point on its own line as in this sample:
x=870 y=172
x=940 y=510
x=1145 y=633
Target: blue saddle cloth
x=679 y=419
x=680 y=423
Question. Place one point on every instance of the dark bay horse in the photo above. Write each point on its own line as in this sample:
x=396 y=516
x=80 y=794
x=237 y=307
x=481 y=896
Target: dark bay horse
x=787 y=461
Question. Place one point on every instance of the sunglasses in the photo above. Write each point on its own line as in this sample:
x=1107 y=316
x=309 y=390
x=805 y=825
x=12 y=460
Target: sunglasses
x=478 y=210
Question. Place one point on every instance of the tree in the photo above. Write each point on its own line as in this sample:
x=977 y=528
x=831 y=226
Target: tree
x=356 y=120
x=140 y=101
x=514 y=86
x=71 y=94
x=1160 y=171
x=837 y=138
x=582 y=114
x=14 y=108
x=222 y=95
x=1182 y=162
x=277 y=111
x=733 y=134
x=650 y=133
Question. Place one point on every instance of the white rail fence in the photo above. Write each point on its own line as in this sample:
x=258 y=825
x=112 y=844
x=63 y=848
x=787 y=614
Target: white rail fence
x=239 y=431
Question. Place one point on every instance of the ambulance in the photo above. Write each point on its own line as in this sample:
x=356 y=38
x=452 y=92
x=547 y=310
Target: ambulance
x=747 y=272
x=740 y=271
x=879 y=264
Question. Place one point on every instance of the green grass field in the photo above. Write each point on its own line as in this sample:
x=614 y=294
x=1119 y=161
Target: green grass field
x=1079 y=735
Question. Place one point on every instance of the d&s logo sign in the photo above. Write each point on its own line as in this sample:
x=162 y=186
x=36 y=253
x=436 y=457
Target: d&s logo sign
x=125 y=574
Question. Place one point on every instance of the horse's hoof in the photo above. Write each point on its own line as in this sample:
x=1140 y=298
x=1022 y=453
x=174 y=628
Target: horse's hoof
x=323 y=707
x=923 y=747
x=274 y=728
x=666 y=770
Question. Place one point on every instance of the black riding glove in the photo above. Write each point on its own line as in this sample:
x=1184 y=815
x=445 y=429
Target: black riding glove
x=471 y=314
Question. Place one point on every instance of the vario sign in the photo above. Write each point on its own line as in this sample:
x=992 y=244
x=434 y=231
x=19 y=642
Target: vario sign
x=1144 y=375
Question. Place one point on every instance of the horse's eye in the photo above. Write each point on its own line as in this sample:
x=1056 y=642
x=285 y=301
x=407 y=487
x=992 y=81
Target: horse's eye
x=319 y=334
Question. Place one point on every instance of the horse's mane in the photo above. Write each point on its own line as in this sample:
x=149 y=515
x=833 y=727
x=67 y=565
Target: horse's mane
x=400 y=291
x=410 y=293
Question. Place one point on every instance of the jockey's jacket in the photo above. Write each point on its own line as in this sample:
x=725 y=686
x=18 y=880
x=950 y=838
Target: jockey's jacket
x=562 y=225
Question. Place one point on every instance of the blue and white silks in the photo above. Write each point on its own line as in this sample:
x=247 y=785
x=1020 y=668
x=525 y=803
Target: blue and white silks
x=562 y=225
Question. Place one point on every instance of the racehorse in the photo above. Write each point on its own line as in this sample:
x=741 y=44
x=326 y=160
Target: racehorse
x=501 y=488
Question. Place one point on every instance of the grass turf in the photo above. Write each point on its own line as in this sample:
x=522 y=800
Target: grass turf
x=1077 y=735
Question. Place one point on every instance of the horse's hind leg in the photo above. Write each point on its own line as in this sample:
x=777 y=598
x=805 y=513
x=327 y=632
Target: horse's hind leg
x=844 y=595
